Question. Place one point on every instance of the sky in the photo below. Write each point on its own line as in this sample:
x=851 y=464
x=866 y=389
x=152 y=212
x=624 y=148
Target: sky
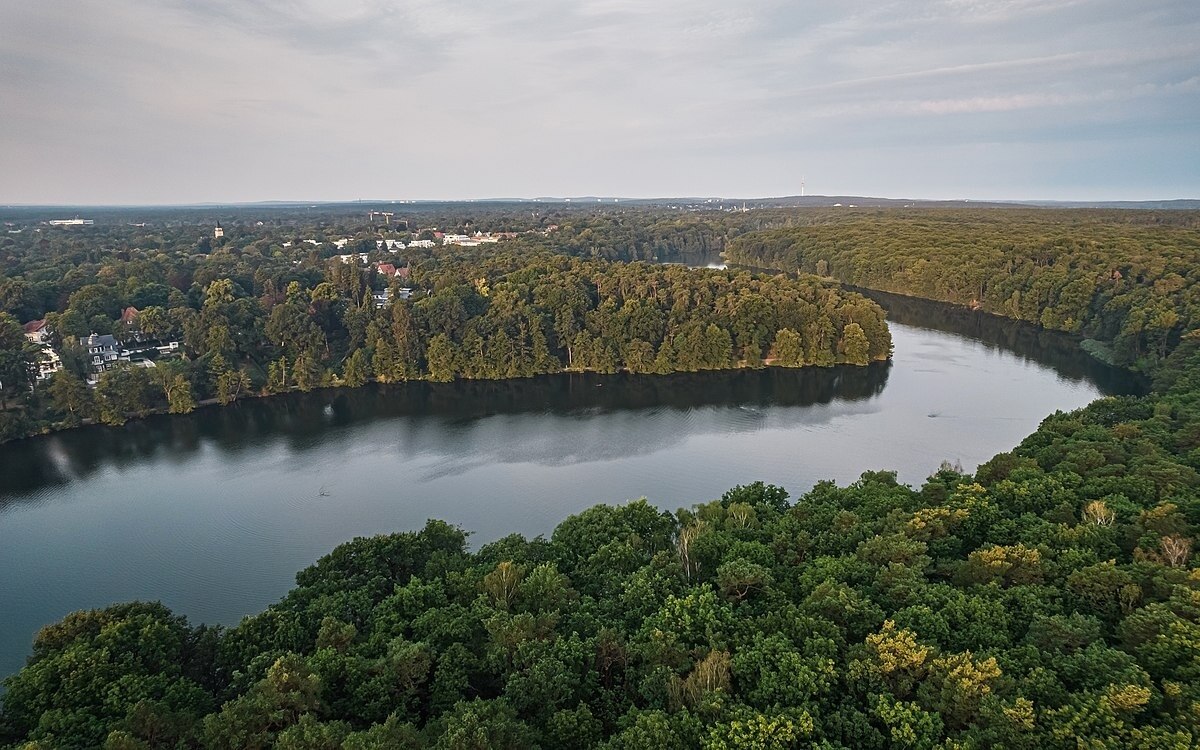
x=182 y=101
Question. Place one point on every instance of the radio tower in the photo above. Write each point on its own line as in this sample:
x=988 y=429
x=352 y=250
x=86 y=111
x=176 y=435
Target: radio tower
x=801 y=187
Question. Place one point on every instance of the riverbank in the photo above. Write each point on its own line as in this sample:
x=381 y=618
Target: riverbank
x=213 y=512
x=970 y=573
x=769 y=362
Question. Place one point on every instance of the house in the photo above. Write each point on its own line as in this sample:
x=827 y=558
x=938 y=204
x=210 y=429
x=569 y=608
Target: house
x=403 y=273
x=37 y=331
x=386 y=269
x=143 y=349
x=421 y=243
x=382 y=298
x=139 y=346
x=102 y=353
x=48 y=361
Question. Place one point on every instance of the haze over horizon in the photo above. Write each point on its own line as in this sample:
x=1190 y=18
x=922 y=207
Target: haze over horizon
x=197 y=101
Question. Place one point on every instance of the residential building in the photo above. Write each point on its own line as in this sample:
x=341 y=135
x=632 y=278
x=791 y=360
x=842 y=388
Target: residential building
x=102 y=353
x=48 y=361
x=218 y=231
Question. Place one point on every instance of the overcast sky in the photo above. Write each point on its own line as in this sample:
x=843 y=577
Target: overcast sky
x=133 y=101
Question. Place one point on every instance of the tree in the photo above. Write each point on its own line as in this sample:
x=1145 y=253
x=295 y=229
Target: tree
x=71 y=397
x=124 y=391
x=356 y=369
x=484 y=725
x=854 y=345
x=639 y=357
x=441 y=358
x=788 y=349
x=306 y=372
x=289 y=692
x=179 y=394
x=18 y=360
x=231 y=385
x=278 y=376
x=140 y=650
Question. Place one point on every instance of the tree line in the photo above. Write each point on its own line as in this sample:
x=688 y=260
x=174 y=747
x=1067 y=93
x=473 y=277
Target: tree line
x=1049 y=600
x=509 y=312
x=1125 y=280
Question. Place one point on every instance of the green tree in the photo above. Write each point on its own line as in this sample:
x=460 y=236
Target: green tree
x=441 y=358
x=288 y=693
x=232 y=385
x=178 y=391
x=279 y=378
x=356 y=370
x=71 y=397
x=18 y=360
x=306 y=371
x=484 y=725
x=788 y=350
x=854 y=345
x=124 y=391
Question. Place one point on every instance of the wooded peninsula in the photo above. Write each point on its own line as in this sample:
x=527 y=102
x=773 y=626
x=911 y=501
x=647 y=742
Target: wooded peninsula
x=1049 y=599
x=159 y=327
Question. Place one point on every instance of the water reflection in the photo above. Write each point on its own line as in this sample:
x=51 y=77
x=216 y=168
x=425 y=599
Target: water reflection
x=213 y=513
x=323 y=420
x=1031 y=343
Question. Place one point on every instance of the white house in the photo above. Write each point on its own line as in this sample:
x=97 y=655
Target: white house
x=48 y=361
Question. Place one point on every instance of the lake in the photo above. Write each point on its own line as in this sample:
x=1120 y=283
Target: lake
x=213 y=513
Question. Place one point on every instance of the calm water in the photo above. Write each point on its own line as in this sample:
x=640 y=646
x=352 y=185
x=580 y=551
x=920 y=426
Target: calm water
x=215 y=512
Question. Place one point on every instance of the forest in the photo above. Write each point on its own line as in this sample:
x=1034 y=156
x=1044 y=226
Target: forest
x=1048 y=599
x=1125 y=280
x=256 y=314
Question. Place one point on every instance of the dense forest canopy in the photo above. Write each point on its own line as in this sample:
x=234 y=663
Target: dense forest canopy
x=1049 y=600
x=268 y=309
x=1125 y=280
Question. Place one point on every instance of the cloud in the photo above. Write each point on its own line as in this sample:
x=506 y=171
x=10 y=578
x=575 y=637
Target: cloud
x=263 y=99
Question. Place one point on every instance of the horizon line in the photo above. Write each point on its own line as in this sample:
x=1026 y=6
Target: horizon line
x=585 y=199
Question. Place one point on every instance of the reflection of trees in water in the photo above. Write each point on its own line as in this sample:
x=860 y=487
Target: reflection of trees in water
x=1054 y=349
x=303 y=421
